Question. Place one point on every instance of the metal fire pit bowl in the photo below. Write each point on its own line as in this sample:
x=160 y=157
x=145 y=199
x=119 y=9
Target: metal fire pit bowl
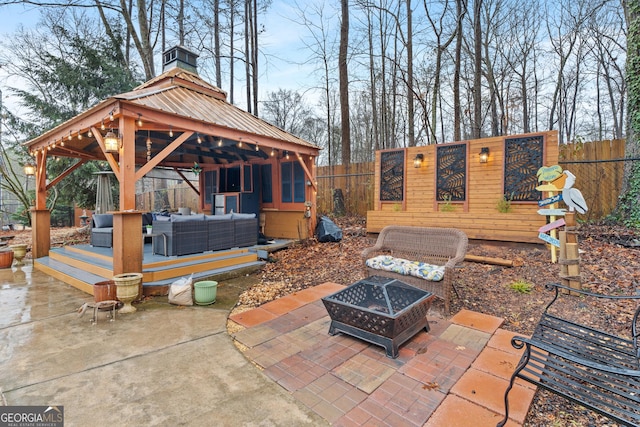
x=379 y=310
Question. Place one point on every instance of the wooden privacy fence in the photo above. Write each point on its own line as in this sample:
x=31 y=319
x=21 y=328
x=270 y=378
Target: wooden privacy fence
x=599 y=170
x=598 y=166
x=356 y=184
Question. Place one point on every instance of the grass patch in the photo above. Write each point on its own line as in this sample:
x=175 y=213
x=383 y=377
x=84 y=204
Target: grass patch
x=521 y=286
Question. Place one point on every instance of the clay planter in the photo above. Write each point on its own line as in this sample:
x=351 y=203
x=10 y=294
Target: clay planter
x=6 y=258
x=104 y=291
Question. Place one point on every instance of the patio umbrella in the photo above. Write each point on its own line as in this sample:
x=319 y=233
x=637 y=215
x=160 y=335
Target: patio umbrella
x=104 y=196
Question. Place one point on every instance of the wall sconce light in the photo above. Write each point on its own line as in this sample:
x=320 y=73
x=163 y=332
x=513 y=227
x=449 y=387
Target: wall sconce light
x=484 y=154
x=29 y=169
x=417 y=161
x=111 y=142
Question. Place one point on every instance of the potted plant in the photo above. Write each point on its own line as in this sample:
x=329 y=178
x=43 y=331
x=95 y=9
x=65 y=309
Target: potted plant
x=149 y=229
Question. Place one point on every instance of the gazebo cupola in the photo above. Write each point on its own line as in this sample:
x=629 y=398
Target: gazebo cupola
x=181 y=57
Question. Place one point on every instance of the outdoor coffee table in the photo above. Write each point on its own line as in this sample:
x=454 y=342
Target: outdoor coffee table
x=379 y=310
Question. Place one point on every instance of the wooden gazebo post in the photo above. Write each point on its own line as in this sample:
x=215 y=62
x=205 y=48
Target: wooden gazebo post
x=127 y=222
x=40 y=215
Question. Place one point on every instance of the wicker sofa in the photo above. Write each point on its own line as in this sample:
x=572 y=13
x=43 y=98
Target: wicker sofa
x=190 y=234
x=102 y=229
x=427 y=249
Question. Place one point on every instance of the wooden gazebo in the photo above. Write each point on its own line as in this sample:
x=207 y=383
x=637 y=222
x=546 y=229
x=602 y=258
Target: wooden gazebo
x=178 y=121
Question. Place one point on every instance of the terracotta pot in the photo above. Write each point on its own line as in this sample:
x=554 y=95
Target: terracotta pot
x=6 y=259
x=104 y=291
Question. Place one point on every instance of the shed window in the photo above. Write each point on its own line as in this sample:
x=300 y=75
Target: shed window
x=266 y=181
x=292 y=182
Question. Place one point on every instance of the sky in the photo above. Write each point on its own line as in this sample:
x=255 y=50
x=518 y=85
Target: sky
x=282 y=50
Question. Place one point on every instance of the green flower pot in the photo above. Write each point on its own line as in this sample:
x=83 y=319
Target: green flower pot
x=205 y=292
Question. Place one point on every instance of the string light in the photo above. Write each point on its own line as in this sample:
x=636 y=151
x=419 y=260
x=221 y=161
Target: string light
x=273 y=152
x=90 y=134
x=219 y=142
x=199 y=139
x=286 y=154
x=61 y=143
x=102 y=125
x=111 y=115
x=257 y=147
x=170 y=132
x=80 y=135
x=139 y=120
x=69 y=137
x=240 y=142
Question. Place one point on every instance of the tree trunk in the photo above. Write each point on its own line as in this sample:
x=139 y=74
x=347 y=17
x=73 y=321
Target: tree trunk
x=216 y=42
x=338 y=203
x=457 y=111
x=247 y=55
x=232 y=75
x=254 y=56
x=410 y=102
x=344 y=85
x=477 y=70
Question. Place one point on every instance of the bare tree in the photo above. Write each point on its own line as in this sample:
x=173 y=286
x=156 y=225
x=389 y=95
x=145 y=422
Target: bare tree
x=344 y=83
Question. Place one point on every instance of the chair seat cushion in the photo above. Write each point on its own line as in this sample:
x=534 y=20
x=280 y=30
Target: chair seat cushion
x=434 y=273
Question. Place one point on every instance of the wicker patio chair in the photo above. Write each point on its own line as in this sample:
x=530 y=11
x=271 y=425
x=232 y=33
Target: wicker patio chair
x=437 y=246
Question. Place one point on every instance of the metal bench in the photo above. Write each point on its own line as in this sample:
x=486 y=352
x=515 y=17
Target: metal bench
x=593 y=368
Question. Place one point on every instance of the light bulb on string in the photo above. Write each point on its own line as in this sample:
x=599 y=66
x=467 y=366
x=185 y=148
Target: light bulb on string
x=170 y=132
x=139 y=120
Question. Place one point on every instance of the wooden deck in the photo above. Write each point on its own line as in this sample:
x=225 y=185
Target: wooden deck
x=81 y=266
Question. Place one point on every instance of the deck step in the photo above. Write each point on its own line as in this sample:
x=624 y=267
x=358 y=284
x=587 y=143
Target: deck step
x=81 y=268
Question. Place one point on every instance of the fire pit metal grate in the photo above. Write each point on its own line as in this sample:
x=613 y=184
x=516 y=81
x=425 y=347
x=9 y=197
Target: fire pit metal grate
x=379 y=310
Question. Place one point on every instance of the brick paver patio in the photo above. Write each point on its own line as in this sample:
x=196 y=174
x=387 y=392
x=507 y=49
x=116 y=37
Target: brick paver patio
x=454 y=375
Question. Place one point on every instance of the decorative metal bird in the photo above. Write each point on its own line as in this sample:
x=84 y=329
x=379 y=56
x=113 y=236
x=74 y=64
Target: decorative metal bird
x=572 y=196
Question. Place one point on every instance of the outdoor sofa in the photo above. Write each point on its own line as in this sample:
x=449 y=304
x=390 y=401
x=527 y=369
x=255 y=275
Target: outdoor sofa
x=102 y=229
x=191 y=234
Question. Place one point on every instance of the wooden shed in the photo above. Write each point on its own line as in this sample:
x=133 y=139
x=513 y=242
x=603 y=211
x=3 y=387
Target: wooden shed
x=464 y=185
